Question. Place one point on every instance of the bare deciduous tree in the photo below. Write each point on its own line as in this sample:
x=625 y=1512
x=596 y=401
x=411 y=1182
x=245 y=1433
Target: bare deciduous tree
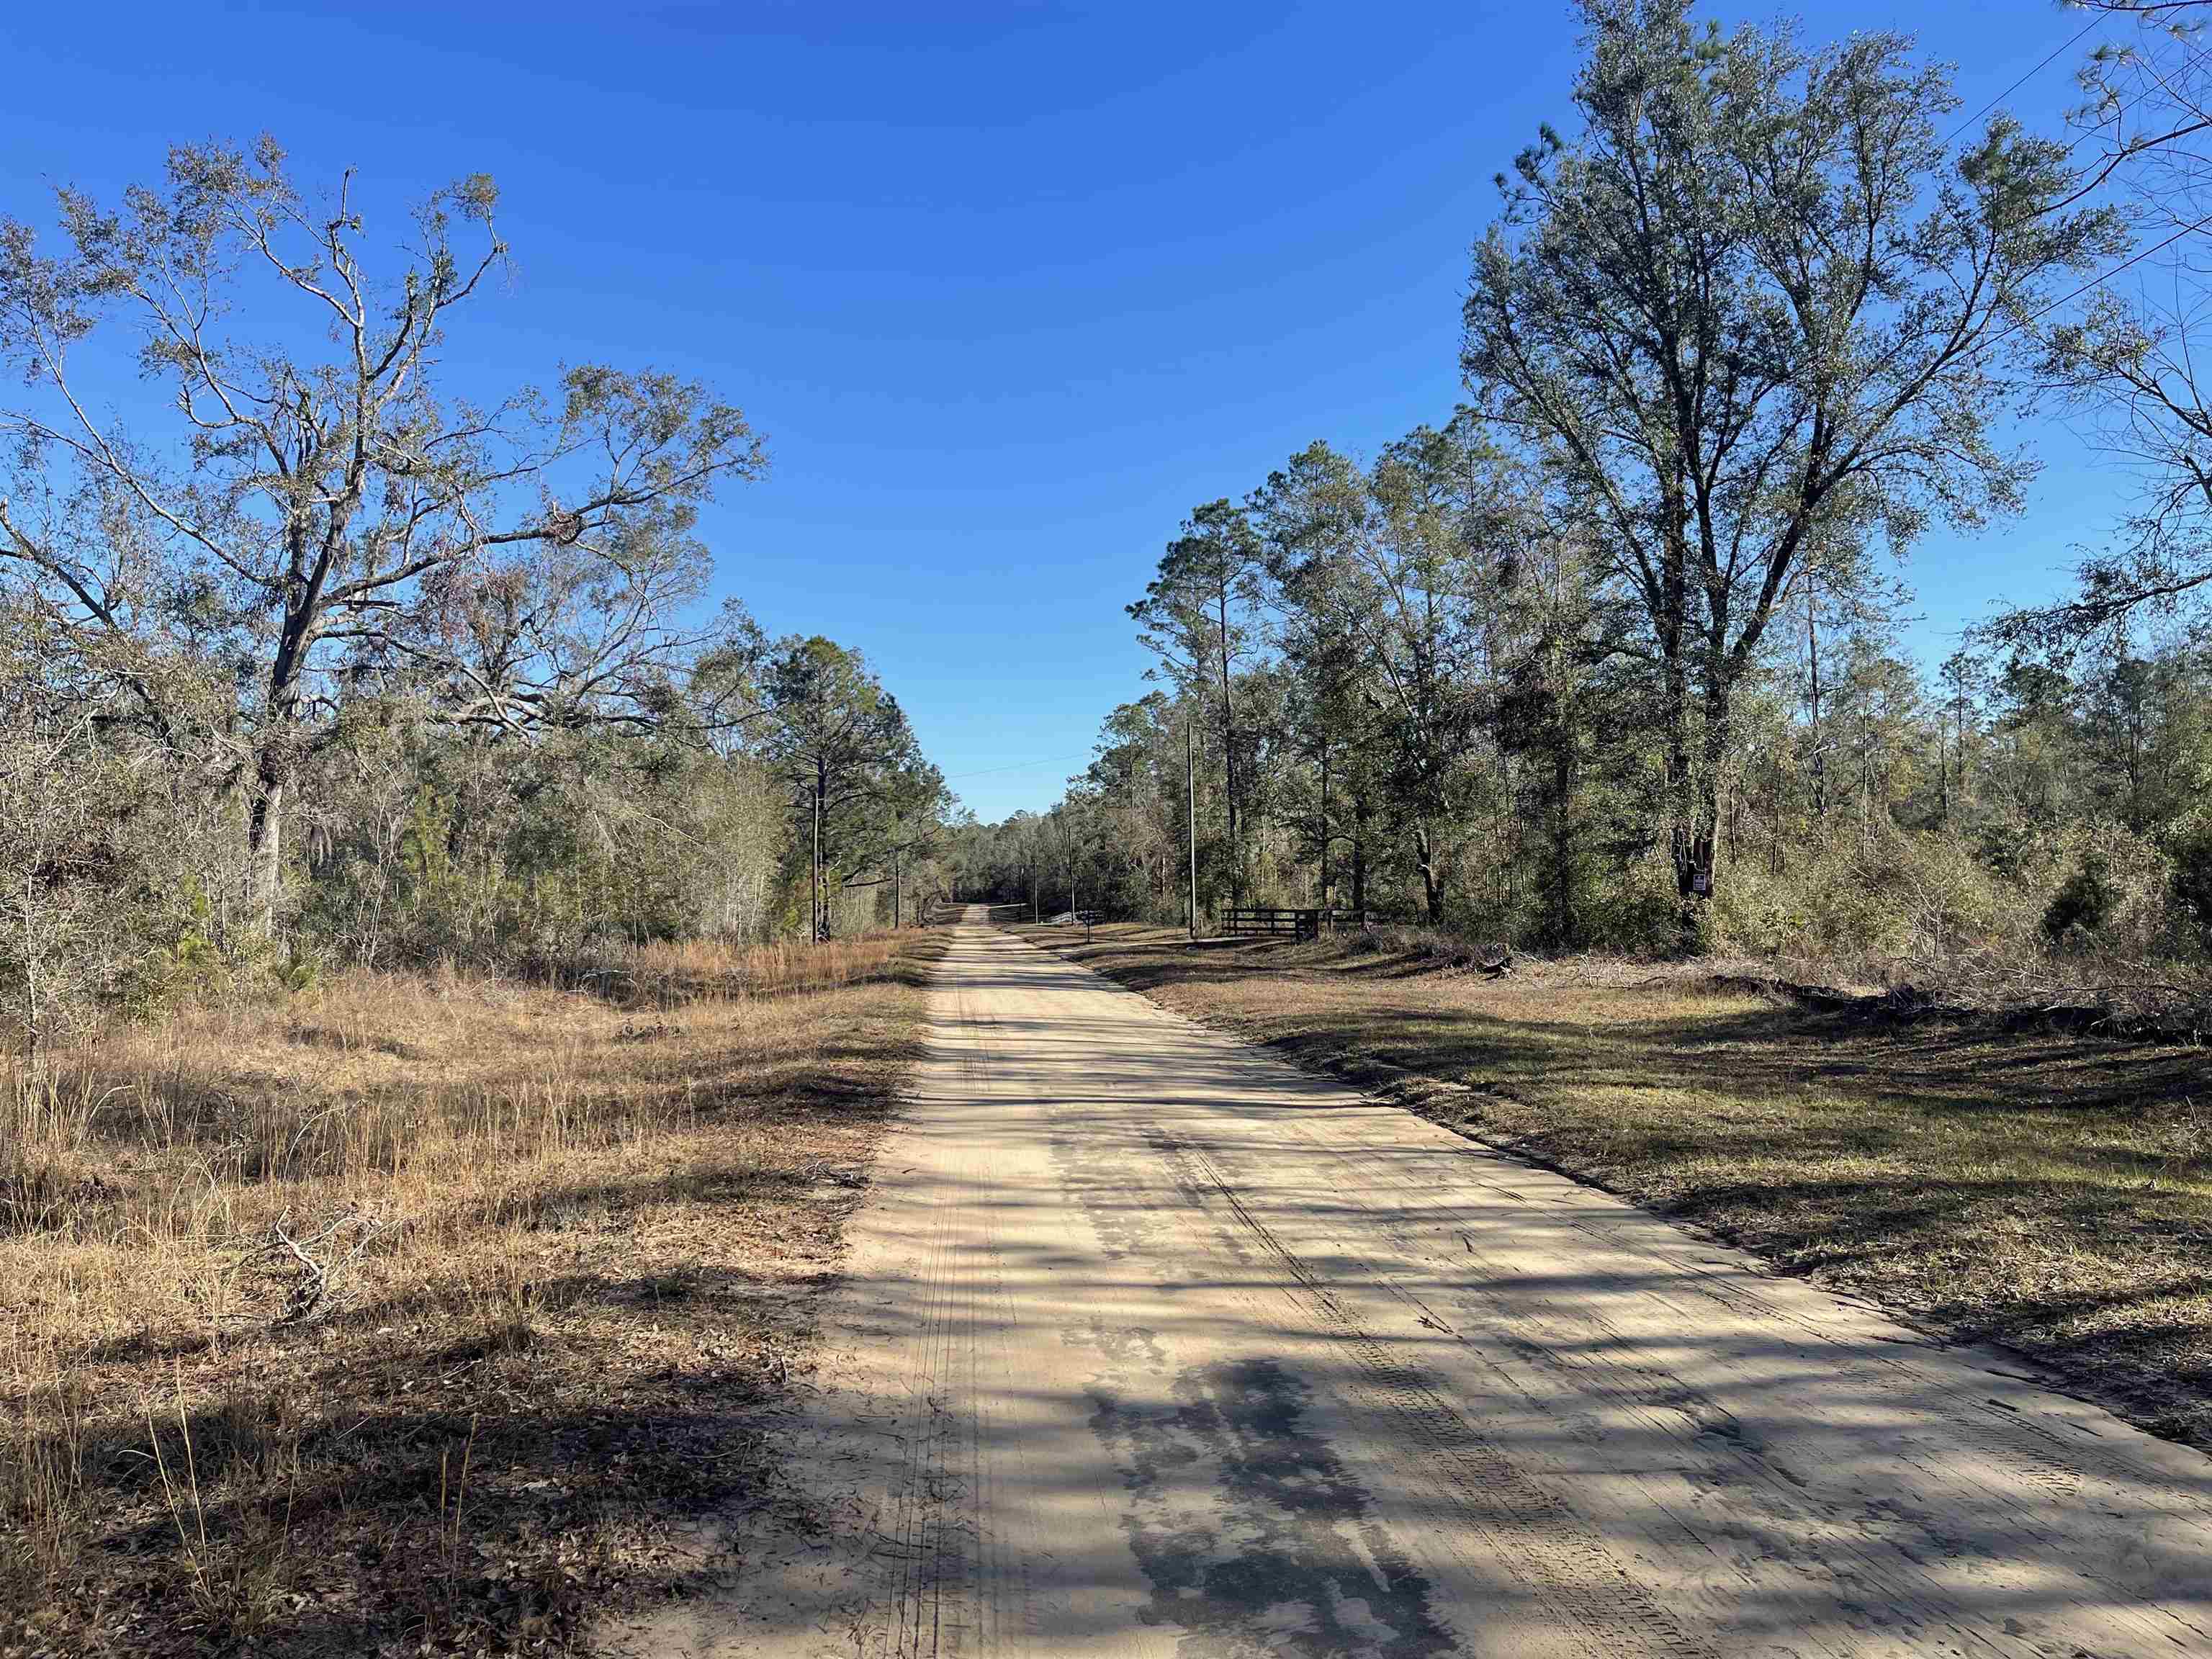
x=327 y=507
x=2129 y=353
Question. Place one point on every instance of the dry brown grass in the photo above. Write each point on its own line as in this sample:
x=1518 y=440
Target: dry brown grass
x=2045 y=1188
x=418 y=1309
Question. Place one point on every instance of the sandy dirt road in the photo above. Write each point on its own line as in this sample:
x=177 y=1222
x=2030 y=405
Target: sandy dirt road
x=1153 y=1346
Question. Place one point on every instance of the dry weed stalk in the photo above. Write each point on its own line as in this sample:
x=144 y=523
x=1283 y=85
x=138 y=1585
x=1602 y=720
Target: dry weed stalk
x=195 y=1543
x=452 y=1534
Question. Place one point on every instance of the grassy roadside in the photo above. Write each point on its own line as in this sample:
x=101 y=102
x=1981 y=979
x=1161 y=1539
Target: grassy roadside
x=421 y=1315
x=2048 y=1191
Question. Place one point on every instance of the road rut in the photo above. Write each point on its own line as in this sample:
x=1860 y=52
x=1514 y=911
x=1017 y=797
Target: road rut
x=1151 y=1344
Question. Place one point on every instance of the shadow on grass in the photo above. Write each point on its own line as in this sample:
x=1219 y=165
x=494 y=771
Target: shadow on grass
x=392 y=1492
x=477 y=1460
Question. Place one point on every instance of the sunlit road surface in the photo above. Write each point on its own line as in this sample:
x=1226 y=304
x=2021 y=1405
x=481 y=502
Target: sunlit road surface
x=1153 y=1346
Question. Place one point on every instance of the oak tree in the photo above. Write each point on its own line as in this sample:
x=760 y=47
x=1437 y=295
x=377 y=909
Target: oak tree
x=1757 y=301
x=327 y=501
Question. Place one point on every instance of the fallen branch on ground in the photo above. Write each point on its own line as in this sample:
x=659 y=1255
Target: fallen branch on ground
x=317 y=1289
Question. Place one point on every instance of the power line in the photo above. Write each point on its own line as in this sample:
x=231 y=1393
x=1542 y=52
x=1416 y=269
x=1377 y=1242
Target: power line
x=2102 y=277
x=1017 y=766
x=2095 y=23
x=2096 y=281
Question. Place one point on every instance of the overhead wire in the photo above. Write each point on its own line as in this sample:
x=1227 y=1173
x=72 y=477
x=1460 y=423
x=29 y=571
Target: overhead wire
x=1016 y=766
x=2096 y=281
x=2094 y=24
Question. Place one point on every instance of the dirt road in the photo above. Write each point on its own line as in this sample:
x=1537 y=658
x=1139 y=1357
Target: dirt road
x=1153 y=1346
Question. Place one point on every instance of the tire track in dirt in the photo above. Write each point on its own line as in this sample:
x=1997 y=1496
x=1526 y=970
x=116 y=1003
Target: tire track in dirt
x=1584 y=1586
x=1151 y=1347
x=2024 y=1467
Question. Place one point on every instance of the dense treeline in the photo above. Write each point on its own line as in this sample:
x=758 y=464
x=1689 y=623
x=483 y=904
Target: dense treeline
x=1914 y=817
x=1612 y=657
x=323 y=654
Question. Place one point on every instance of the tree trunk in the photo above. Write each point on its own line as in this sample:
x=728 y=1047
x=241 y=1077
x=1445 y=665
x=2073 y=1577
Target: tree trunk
x=1432 y=892
x=1682 y=792
x=1324 y=827
x=1190 y=802
x=821 y=931
x=1943 y=770
x=265 y=847
x=1698 y=837
x=1360 y=853
x=2135 y=771
x=1819 y=755
x=1562 y=833
x=1669 y=622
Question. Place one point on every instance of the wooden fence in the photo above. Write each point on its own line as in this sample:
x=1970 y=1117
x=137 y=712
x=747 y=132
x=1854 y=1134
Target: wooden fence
x=1267 y=921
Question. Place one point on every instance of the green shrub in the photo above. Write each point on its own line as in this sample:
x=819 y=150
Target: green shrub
x=2085 y=901
x=2189 y=882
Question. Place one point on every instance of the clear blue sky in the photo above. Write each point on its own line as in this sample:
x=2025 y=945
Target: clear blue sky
x=1009 y=287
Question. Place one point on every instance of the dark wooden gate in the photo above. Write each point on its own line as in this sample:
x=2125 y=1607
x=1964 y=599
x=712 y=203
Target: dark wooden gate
x=1275 y=922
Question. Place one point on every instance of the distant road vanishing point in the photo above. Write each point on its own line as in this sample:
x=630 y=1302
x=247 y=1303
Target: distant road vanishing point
x=1152 y=1345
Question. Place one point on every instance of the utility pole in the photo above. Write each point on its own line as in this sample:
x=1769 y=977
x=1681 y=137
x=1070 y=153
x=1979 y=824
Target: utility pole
x=1075 y=893
x=1229 y=760
x=1190 y=800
